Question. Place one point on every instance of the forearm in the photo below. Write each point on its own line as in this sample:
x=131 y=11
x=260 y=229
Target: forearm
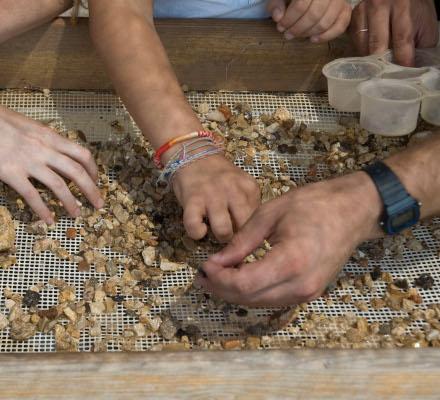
x=418 y=169
x=135 y=59
x=18 y=16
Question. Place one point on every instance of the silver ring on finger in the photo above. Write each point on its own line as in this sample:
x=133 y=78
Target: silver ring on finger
x=361 y=31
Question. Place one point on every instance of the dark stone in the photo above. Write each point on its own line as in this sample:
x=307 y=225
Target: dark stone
x=138 y=211
x=257 y=330
x=31 y=298
x=376 y=274
x=385 y=329
x=118 y=298
x=401 y=284
x=283 y=148
x=241 y=312
x=425 y=281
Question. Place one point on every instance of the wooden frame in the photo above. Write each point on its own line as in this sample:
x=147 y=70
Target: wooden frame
x=206 y=55
x=293 y=374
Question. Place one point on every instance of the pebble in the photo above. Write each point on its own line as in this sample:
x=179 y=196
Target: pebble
x=4 y=322
x=96 y=308
x=22 y=330
x=66 y=296
x=229 y=344
x=149 y=255
x=71 y=233
x=7 y=230
x=169 y=266
x=432 y=335
x=139 y=330
x=355 y=335
x=31 y=298
x=111 y=267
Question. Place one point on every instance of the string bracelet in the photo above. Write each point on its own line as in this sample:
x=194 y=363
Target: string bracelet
x=174 y=167
x=176 y=140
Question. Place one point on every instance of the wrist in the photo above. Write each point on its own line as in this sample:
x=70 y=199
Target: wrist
x=359 y=193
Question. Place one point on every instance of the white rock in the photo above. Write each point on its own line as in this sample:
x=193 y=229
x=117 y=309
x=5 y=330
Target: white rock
x=169 y=266
x=153 y=324
x=149 y=255
x=216 y=116
x=139 y=330
x=3 y=321
x=96 y=307
x=434 y=334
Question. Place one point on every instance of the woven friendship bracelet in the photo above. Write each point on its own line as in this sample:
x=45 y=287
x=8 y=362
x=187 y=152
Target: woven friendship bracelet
x=173 y=168
x=179 y=139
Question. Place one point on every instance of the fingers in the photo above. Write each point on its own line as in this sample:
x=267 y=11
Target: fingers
x=293 y=13
x=250 y=237
x=306 y=22
x=326 y=22
x=193 y=216
x=379 y=28
x=403 y=36
x=276 y=9
x=220 y=221
x=32 y=197
x=359 y=21
x=247 y=283
x=338 y=28
x=76 y=173
x=73 y=150
x=53 y=181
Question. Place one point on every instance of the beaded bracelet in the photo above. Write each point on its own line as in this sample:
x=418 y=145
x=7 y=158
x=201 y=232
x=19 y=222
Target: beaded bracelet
x=179 y=139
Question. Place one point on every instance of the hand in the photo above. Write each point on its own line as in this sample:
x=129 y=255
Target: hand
x=215 y=188
x=404 y=23
x=31 y=150
x=313 y=231
x=321 y=20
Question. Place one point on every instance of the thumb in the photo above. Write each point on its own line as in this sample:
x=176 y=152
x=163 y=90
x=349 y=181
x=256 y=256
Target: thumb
x=276 y=8
x=245 y=241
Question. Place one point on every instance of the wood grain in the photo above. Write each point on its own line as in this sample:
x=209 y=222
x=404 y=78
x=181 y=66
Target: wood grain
x=206 y=55
x=294 y=374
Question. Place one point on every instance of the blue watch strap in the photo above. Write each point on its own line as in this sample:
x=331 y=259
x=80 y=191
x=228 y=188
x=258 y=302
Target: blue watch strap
x=388 y=184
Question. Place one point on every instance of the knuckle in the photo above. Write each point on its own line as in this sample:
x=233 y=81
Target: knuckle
x=77 y=170
x=309 y=290
x=58 y=183
x=86 y=154
x=301 y=6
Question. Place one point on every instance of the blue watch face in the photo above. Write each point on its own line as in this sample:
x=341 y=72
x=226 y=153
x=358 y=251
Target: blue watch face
x=400 y=221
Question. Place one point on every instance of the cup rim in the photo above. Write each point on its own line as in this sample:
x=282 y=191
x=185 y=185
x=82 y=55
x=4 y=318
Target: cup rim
x=390 y=82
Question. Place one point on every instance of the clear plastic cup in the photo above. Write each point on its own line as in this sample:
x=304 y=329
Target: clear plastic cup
x=389 y=107
x=343 y=77
x=423 y=58
x=431 y=103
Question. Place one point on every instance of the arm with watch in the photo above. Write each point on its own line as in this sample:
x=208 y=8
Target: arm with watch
x=314 y=229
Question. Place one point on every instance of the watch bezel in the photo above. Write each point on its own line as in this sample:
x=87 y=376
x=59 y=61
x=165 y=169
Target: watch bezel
x=397 y=210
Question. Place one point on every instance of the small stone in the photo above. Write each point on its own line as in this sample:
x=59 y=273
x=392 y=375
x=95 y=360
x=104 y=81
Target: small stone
x=83 y=266
x=281 y=114
x=169 y=327
x=241 y=312
x=253 y=342
x=203 y=108
x=7 y=230
x=149 y=255
x=22 y=330
x=189 y=243
x=66 y=296
x=385 y=329
x=72 y=315
x=111 y=268
x=280 y=320
x=37 y=228
x=425 y=281
x=4 y=322
x=415 y=245
x=432 y=335
x=377 y=303
x=96 y=308
x=355 y=335
x=169 y=266
x=139 y=330
x=153 y=323
x=71 y=233
x=31 y=298
x=229 y=344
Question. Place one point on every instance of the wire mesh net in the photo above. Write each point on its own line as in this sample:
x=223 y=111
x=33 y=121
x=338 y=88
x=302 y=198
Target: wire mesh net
x=93 y=113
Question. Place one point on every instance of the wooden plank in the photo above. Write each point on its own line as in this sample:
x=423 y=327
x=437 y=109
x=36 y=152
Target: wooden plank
x=294 y=374
x=206 y=55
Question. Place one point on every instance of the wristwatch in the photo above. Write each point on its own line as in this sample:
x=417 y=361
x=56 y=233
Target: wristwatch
x=401 y=209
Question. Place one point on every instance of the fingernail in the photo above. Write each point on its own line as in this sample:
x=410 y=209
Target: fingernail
x=288 y=36
x=49 y=221
x=281 y=28
x=100 y=203
x=76 y=213
x=315 y=39
x=276 y=14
